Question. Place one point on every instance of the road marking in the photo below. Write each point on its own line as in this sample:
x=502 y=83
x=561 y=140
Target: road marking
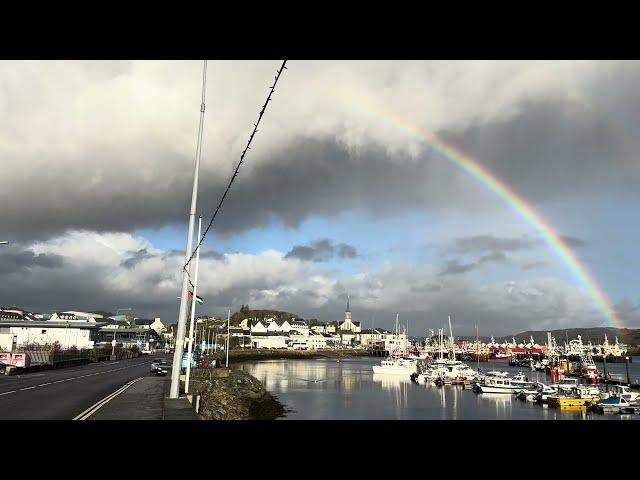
x=98 y=405
x=136 y=364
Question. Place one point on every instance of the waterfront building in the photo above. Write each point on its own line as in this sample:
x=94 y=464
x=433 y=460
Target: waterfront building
x=372 y=337
x=258 y=327
x=300 y=327
x=279 y=326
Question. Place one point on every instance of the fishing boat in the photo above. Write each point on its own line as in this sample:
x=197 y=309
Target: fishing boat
x=522 y=381
x=582 y=395
x=396 y=366
x=614 y=404
x=538 y=393
x=492 y=384
x=623 y=391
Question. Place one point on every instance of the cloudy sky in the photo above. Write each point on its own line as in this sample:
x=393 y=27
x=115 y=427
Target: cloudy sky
x=334 y=199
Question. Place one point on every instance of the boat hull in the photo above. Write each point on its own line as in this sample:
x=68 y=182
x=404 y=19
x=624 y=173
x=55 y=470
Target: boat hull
x=571 y=402
x=393 y=370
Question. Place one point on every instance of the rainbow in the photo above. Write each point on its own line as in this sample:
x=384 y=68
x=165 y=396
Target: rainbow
x=495 y=185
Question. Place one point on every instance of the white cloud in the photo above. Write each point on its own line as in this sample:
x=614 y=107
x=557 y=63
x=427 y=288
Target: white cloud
x=93 y=275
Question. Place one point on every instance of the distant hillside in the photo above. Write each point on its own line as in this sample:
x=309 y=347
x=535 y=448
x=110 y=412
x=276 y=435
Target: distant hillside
x=246 y=312
x=594 y=334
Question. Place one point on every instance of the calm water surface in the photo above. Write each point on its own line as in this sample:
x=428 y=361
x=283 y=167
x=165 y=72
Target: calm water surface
x=322 y=389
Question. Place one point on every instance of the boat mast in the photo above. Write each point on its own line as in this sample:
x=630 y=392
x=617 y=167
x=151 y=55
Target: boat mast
x=477 y=347
x=453 y=353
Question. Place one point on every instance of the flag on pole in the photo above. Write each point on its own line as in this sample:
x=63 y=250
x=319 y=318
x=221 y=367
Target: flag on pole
x=199 y=299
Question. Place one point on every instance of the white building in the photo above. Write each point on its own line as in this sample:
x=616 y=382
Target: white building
x=269 y=341
x=322 y=328
x=308 y=342
x=15 y=334
x=369 y=338
x=258 y=327
x=300 y=327
x=279 y=326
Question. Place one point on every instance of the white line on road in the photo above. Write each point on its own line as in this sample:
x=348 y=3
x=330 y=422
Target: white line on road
x=98 y=405
x=74 y=378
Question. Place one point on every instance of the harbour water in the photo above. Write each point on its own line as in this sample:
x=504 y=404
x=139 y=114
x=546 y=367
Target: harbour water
x=328 y=389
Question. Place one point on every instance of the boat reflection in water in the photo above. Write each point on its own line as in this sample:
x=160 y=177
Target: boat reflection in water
x=396 y=384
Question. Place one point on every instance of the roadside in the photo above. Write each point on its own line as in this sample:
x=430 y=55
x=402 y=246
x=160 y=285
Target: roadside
x=146 y=399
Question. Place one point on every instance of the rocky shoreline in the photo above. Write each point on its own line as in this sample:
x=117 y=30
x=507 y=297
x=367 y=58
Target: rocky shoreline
x=234 y=395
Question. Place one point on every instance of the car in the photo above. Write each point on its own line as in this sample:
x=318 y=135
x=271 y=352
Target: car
x=161 y=372
x=159 y=360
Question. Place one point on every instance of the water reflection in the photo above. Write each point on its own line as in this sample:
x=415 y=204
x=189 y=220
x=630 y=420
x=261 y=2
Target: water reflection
x=326 y=389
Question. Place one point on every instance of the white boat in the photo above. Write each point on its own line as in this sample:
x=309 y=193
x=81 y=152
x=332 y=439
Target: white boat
x=497 y=385
x=566 y=385
x=522 y=381
x=614 y=404
x=622 y=391
x=543 y=396
x=396 y=366
x=539 y=390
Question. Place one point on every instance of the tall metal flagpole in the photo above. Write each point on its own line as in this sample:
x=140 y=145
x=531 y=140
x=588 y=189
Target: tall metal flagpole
x=182 y=315
x=193 y=312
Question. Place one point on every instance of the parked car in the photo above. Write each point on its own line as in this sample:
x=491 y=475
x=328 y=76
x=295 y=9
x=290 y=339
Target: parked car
x=161 y=372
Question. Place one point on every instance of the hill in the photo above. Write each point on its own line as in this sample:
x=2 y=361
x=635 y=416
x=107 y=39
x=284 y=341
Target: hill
x=594 y=334
x=246 y=312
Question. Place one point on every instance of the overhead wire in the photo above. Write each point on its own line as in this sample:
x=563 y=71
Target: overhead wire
x=237 y=169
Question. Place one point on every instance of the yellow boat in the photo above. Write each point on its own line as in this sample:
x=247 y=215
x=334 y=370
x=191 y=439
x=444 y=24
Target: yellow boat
x=580 y=396
x=556 y=401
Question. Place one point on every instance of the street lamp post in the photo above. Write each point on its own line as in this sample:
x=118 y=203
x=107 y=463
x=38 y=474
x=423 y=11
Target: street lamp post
x=113 y=342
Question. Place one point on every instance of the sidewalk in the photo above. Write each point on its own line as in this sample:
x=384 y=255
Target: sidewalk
x=147 y=399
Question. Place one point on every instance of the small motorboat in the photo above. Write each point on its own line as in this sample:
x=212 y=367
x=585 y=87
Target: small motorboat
x=613 y=404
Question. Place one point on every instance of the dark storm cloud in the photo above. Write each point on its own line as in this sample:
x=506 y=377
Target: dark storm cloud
x=135 y=258
x=557 y=147
x=454 y=267
x=493 y=257
x=16 y=260
x=551 y=146
x=485 y=243
x=322 y=251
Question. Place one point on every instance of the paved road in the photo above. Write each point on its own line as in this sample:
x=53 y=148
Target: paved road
x=62 y=394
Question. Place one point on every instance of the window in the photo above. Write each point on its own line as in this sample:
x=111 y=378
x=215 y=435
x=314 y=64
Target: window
x=44 y=331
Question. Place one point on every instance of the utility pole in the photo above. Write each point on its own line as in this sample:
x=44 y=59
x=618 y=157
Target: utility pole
x=179 y=347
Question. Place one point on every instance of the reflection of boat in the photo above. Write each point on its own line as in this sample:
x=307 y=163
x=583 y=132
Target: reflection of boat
x=497 y=399
x=389 y=382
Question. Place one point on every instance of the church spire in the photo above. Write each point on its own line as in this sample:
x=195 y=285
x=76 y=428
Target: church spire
x=347 y=310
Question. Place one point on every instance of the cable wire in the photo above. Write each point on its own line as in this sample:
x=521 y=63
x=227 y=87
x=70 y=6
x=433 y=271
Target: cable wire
x=235 y=173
